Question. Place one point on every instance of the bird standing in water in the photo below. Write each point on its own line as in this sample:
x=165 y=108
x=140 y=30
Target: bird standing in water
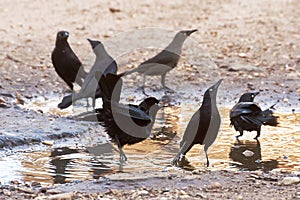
x=247 y=115
x=125 y=124
x=203 y=127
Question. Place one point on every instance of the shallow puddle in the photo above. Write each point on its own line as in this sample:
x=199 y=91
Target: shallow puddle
x=278 y=147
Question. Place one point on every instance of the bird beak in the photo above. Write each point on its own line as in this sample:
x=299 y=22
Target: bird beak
x=217 y=84
x=93 y=43
x=188 y=33
x=161 y=103
x=255 y=93
x=66 y=34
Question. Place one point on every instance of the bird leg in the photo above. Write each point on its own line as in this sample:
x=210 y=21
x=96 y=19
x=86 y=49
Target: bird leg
x=181 y=154
x=258 y=134
x=94 y=102
x=241 y=134
x=122 y=154
x=207 y=161
x=163 y=82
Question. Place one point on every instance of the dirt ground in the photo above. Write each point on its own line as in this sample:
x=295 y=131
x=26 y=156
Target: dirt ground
x=260 y=34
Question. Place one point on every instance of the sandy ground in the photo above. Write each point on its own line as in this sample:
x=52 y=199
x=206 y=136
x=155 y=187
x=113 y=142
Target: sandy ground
x=262 y=35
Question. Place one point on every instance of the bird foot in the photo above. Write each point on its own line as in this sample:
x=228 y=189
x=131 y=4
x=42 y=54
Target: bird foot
x=123 y=157
x=237 y=137
x=175 y=161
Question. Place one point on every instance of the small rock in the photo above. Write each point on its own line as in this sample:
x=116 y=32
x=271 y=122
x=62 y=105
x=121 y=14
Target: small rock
x=53 y=191
x=248 y=153
x=182 y=192
x=214 y=185
x=43 y=190
x=164 y=190
x=15 y=182
x=143 y=193
x=242 y=67
x=47 y=142
x=35 y=184
x=130 y=98
x=296 y=173
x=6 y=192
x=285 y=100
x=26 y=190
x=242 y=55
x=61 y=196
x=114 y=10
x=19 y=99
x=290 y=180
x=201 y=195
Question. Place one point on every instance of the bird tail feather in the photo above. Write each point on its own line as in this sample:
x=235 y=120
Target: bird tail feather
x=268 y=118
x=111 y=86
x=66 y=102
x=127 y=72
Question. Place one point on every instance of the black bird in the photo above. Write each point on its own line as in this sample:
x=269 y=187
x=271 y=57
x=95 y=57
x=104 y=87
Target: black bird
x=104 y=64
x=203 y=127
x=66 y=63
x=247 y=115
x=164 y=61
x=125 y=124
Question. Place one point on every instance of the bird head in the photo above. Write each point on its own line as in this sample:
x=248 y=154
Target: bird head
x=188 y=32
x=94 y=43
x=62 y=35
x=211 y=92
x=248 y=97
x=147 y=103
x=182 y=35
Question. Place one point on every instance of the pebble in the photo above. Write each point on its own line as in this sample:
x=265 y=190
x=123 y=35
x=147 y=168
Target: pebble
x=214 y=185
x=290 y=180
x=242 y=55
x=6 y=192
x=143 y=192
x=243 y=67
x=48 y=143
x=248 y=153
x=296 y=173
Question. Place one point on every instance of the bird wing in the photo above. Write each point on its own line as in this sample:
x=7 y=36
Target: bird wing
x=251 y=120
x=112 y=68
x=164 y=61
x=191 y=129
x=129 y=111
x=243 y=108
x=164 y=57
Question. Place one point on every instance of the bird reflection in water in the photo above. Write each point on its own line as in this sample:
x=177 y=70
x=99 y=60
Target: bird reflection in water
x=60 y=162
x=167 y=120
x=245 y=160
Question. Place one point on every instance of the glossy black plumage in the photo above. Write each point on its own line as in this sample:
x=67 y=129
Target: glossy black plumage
x=248 y=116
x=204 y=125
x=164 y=61
x=125 y=124
x=103 y=64
x=66 y=63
